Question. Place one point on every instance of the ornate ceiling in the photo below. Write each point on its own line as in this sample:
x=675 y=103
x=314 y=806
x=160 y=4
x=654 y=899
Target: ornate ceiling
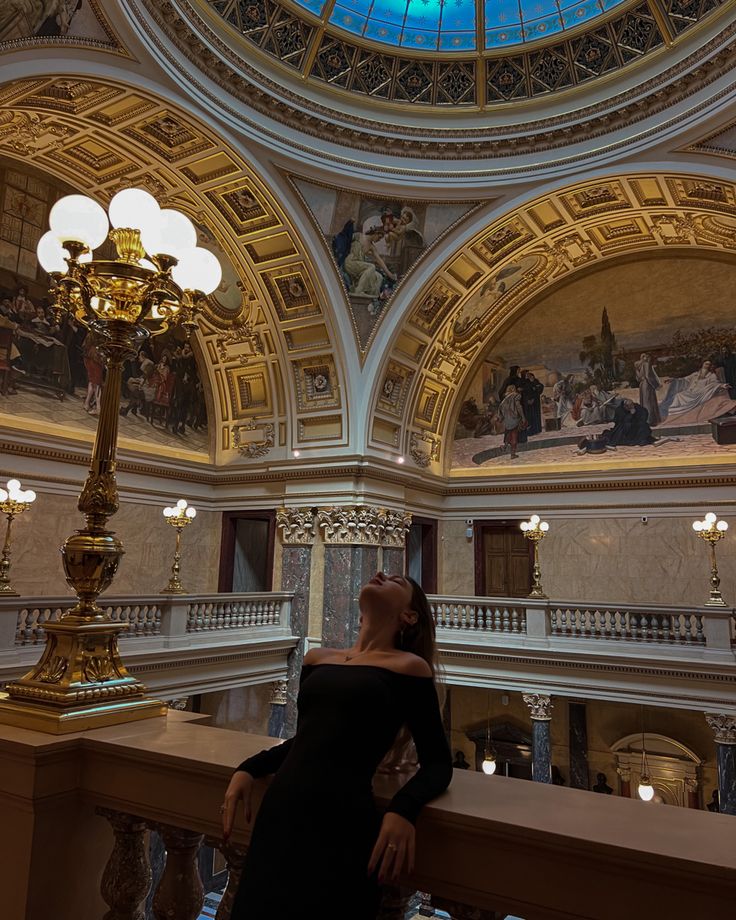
x=457 y=53
x=465 y=306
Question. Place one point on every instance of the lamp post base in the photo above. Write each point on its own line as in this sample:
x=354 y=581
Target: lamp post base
x=37 y=717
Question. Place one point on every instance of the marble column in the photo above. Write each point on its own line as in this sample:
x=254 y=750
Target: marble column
x=624 y=775
x=297 y=537
x=578 y=746
x=353 y=535
x=724 y=731
x=540 y=707
x=393 y=560
x=277 y=716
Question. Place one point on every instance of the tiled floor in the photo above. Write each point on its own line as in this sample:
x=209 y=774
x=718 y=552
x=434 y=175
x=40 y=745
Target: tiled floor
x=45 y=407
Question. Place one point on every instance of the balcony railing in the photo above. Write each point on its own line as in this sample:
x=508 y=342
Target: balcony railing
x=487 y=847
x=176 y=644
x=627 y=652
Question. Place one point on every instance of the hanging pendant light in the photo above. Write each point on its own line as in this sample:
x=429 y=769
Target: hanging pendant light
x=489 y=761
x=646 y=789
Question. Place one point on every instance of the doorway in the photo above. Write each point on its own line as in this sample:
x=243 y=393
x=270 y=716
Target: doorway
x=246 y=551
x=503 y=560
x=421 y=553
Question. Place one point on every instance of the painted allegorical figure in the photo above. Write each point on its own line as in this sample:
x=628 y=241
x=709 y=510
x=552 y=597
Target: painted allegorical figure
x=649 y=383
x=697 y=398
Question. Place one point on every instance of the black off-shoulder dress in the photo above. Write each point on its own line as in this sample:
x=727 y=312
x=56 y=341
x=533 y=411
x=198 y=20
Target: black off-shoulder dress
x=318 y=822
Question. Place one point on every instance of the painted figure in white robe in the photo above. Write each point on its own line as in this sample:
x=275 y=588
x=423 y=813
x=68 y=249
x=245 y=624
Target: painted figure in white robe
x=697 y=398
x=649 y=383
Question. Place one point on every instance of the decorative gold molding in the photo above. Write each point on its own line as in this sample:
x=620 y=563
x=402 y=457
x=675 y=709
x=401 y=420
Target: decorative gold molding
x=279 y=695
x=296 y=525
x=364 y=525
x=255 y=447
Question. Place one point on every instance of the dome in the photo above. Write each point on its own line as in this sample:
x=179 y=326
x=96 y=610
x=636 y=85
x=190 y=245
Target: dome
x=456 y=25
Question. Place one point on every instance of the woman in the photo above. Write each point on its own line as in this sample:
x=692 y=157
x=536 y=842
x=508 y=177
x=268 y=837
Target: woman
x=352 y=704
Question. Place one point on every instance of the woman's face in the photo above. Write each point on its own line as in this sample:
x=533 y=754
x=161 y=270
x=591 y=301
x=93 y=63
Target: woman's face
x=388 y=594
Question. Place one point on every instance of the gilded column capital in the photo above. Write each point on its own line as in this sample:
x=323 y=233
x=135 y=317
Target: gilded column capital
x=278 y=693
x=723 y=727
x=297 y=526
x=352 y=524
x=624 y=771
x=540 y=705
x=396 y=526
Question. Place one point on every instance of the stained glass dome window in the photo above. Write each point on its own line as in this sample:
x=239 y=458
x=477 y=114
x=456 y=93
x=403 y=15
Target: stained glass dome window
x=456 y=25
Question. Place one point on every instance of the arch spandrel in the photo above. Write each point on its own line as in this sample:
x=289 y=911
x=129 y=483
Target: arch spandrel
x=485 y=285
x=273 y=371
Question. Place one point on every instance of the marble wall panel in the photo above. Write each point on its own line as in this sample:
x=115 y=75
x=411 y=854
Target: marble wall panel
x=295 y=576
x=393 y=561
x=148 y=540
x=455 y=563
x=346 y=569
x=245 y=709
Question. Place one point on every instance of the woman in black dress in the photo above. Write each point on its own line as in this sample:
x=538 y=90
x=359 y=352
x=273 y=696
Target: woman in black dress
x=320 y=847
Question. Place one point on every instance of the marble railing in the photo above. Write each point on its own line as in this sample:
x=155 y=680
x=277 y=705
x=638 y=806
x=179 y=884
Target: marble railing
x=176 y=644
x=555 y=852
x=709 y=627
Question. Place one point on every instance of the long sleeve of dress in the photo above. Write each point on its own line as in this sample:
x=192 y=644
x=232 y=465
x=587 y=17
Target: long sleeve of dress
x=435 y=761
x=267 y=762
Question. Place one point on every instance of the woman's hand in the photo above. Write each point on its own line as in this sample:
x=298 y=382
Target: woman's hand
x=241 y=787
x=394 y=849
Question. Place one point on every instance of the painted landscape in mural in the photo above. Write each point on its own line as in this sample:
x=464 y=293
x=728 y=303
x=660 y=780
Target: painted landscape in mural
x=21 y=19
x=374 y=242
x=629 y=380
x=53 y=371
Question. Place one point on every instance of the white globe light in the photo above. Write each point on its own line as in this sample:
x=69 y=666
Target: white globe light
x=544 y=527
x=29 y=496
x=646 y=790
x=3 y=495
x=535 y=519
x=710 y=518
x=524 y=526
x=80 y=219
x=171 y=234
x=134 y=209
x=191 y=512
x=697 y=526
x=169 y=512
x=13 y=487
x=51 y=254
x=722 y=526
x=182 y=503
x=198 y=270
x=489 y=765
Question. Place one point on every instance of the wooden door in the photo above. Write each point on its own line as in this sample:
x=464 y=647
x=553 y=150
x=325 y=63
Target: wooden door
x=505 y=561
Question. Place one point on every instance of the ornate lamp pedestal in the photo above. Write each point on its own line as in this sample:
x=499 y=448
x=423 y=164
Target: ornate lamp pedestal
x=13 y=501
x=535 y=530
x=179 y=517
x=80 y=681
x=712 y=530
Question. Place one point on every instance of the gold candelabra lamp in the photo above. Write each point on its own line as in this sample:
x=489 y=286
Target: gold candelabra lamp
x=13 y=501
x=712 y=530
x=535 y=529
x=148 y=280
x=179 y=517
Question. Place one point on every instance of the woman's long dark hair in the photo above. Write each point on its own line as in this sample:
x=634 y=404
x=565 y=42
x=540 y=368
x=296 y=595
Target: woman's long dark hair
x=419 y=637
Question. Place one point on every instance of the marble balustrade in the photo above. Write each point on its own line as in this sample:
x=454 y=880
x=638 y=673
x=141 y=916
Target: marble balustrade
x=75 y=811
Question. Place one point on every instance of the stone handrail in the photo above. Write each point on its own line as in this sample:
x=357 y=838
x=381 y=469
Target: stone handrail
x=555 y=852
x=152 y=615
x=535 y=618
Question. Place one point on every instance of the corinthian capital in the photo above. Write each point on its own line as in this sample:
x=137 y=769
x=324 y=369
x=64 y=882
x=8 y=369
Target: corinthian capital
x=540 y=705
x=364 y=525
x=396 y=526
x=297 y=525
x=723 y=727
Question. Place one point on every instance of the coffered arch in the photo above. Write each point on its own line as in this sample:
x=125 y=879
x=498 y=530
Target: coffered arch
x=274 y=366
x=497 y=273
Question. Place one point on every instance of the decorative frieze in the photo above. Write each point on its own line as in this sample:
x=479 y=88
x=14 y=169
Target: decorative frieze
x=723 y=727
x=297 y=525
x=364 y=525
x=540 y=706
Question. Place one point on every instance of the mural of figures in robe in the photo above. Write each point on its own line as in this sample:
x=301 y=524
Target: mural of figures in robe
x=374 y=242
x=51 y=372
x=633 y=364
x=21 y=19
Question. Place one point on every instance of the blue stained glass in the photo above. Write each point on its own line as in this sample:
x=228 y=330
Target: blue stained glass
x=314 y=6
x=449 y=25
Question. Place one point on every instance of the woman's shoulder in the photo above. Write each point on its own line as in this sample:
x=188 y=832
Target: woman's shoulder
x=412 y=665
x=320 y=654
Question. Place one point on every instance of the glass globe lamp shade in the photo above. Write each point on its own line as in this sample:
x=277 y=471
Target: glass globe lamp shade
x=544 y=527
x=134 y=209
x=489 y=765
x=191 y=512
x=534 y=519
x=646 y=790
x=3 y=495
x=28 y=495
x=52 y=256
x=14 y=489
x=181 y=504
x=710 y=518
x=722 y=526
x=697 y=526
x=198 y=270
x=171 y=234
x=169 y=512
x=80 y=219
x=525 y=526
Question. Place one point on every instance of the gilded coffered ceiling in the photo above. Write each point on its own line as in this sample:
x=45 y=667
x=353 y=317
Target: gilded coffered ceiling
x=483 y=288
x=268 y=348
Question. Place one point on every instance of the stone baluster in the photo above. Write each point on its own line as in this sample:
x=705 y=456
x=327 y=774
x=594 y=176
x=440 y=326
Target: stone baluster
x=540 y=707
x=724 y=730
x=127 y=875
x=180 y=894
x=235 y=858
x=460 y=911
